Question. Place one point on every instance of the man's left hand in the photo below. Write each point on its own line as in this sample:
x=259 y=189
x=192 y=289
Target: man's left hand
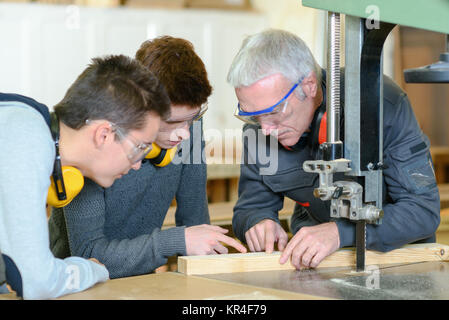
x=310 y=245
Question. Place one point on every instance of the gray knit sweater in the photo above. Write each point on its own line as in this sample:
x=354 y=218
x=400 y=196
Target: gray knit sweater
x=121 y=225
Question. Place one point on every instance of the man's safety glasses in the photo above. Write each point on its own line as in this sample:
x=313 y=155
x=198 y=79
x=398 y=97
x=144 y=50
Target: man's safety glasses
x=272 y=114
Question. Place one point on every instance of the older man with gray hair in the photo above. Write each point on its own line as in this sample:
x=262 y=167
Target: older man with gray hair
x=281 y=92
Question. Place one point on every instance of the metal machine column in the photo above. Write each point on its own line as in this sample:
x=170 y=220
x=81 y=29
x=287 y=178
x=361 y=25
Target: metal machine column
x=361 y=203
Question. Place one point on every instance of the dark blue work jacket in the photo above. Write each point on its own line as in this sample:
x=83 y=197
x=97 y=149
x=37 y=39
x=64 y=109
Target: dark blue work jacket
x=411 y=200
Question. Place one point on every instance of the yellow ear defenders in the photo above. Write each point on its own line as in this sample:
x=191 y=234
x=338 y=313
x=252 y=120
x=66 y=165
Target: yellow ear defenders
x=66 y=182
x=161 y=157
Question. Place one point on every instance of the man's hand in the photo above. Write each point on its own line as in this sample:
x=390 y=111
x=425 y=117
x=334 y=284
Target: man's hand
x=9 y=288
x=311 y=245
x=205 y=239
x=263 y=235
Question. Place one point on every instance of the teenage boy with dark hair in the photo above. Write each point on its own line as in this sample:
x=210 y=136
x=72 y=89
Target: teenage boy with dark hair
x=107 y=122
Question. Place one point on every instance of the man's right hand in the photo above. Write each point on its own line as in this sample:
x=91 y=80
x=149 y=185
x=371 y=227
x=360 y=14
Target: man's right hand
x=205 y=239
x=264 y=234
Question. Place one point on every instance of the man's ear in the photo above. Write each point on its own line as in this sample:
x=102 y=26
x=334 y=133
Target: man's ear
x=102 y=134
x=309 y=85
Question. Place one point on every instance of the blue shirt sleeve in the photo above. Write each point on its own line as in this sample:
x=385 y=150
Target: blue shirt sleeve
x=25 y=178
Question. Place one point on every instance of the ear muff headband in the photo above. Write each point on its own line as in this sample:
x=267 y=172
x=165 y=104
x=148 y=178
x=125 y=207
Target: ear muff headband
x=322 y=132
x=74 y=182
x=161 y=157
x=66 y=182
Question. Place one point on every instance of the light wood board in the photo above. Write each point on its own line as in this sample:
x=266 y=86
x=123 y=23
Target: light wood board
x=92 y=3
x=260 y=261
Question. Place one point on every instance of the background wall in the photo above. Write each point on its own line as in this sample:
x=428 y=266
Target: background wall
x=44 y=48
x=48 y=46
x=430 y=101
x=290 y=15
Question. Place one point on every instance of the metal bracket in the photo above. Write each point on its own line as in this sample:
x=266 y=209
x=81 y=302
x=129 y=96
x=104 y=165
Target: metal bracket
x=326 y=170
x=350 y=204
x=346 y=196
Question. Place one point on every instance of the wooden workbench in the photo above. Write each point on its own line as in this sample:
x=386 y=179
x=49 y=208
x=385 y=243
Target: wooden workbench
x=440 y=158
x=176 y=286
x=423 y=274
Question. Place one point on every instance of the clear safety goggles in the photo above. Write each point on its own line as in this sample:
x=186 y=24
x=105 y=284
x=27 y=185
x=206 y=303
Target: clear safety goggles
x=273 y=114
x=135 y=150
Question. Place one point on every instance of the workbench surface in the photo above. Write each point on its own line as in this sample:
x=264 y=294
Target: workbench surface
x=424 y=280
x=176 y=286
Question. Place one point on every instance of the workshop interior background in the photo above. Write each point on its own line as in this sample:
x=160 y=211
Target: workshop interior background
x=46 y=43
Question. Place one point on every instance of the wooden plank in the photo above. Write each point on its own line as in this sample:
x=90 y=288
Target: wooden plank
x=444 y=221
x=223 y=171
x=219 y=4
x=443 y=189
x=397 y=58
x=260 y=261
x=437 y=151
x=218 y=190
x=98 y=3
x=233 y=189
x=442 y=233
x=91 y=3
x=440 y=158
x=176 y=4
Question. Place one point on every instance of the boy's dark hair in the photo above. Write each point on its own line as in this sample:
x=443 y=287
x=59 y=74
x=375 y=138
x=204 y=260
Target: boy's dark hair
x=115 y=88
x=178 y=67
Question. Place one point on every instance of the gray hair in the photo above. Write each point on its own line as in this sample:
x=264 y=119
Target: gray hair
x=270 y=52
